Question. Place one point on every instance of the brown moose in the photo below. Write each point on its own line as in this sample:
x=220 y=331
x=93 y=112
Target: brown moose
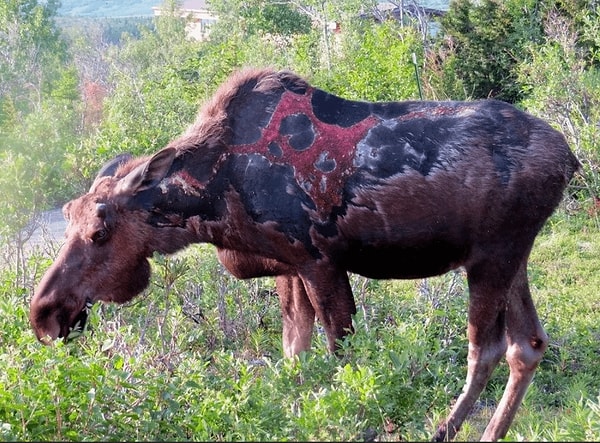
x=287 y=180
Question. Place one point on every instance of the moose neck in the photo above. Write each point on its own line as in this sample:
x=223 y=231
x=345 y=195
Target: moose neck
x=180 y=195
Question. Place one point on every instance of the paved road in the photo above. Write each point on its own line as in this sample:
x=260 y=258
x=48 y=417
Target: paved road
x=49 y=227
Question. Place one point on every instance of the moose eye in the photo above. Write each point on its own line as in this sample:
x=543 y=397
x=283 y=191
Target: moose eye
x=99 y=235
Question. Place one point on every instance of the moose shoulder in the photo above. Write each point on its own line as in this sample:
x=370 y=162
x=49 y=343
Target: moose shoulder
x=289 y=181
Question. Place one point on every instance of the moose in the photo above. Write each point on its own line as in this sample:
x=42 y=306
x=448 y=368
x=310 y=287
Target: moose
x=289 y=181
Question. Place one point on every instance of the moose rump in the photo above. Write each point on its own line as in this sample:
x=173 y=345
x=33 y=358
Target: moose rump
x=287 y=180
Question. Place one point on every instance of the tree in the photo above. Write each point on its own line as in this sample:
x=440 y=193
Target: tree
x=374 y=62
x=265 y=32
x=562 y=84
x=326 y=14
x=39 y=106
x=155 y=89
x=296 y=29
x=32 y=53
x=481 y=44
x=262 y=17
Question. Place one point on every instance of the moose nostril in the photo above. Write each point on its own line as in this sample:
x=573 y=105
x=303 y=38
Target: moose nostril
x=47 y=340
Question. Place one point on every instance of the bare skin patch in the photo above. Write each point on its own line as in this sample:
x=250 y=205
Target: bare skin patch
x=321 y=166
x=184 y=181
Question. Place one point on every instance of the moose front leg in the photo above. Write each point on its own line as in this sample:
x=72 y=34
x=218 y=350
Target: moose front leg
x=297 y=314
x=330 y=294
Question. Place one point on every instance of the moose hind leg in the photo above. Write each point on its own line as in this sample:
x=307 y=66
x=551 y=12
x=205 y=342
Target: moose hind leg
x=488 y=291
x=297 y=313
x=527 y=342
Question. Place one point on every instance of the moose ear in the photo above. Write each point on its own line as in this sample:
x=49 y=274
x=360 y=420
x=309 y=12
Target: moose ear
x=110 y=167
x=149 y=173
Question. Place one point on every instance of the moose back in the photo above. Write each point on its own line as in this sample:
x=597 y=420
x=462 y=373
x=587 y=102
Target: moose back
x=289 y=181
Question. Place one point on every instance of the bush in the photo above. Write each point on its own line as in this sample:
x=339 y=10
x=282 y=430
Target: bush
x=564 y=89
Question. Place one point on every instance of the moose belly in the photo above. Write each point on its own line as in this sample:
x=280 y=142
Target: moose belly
x=403 y=262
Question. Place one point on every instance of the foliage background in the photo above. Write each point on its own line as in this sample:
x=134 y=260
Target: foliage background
x=197 y=356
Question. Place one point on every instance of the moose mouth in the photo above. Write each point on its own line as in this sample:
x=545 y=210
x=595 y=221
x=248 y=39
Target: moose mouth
x=80 y=322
